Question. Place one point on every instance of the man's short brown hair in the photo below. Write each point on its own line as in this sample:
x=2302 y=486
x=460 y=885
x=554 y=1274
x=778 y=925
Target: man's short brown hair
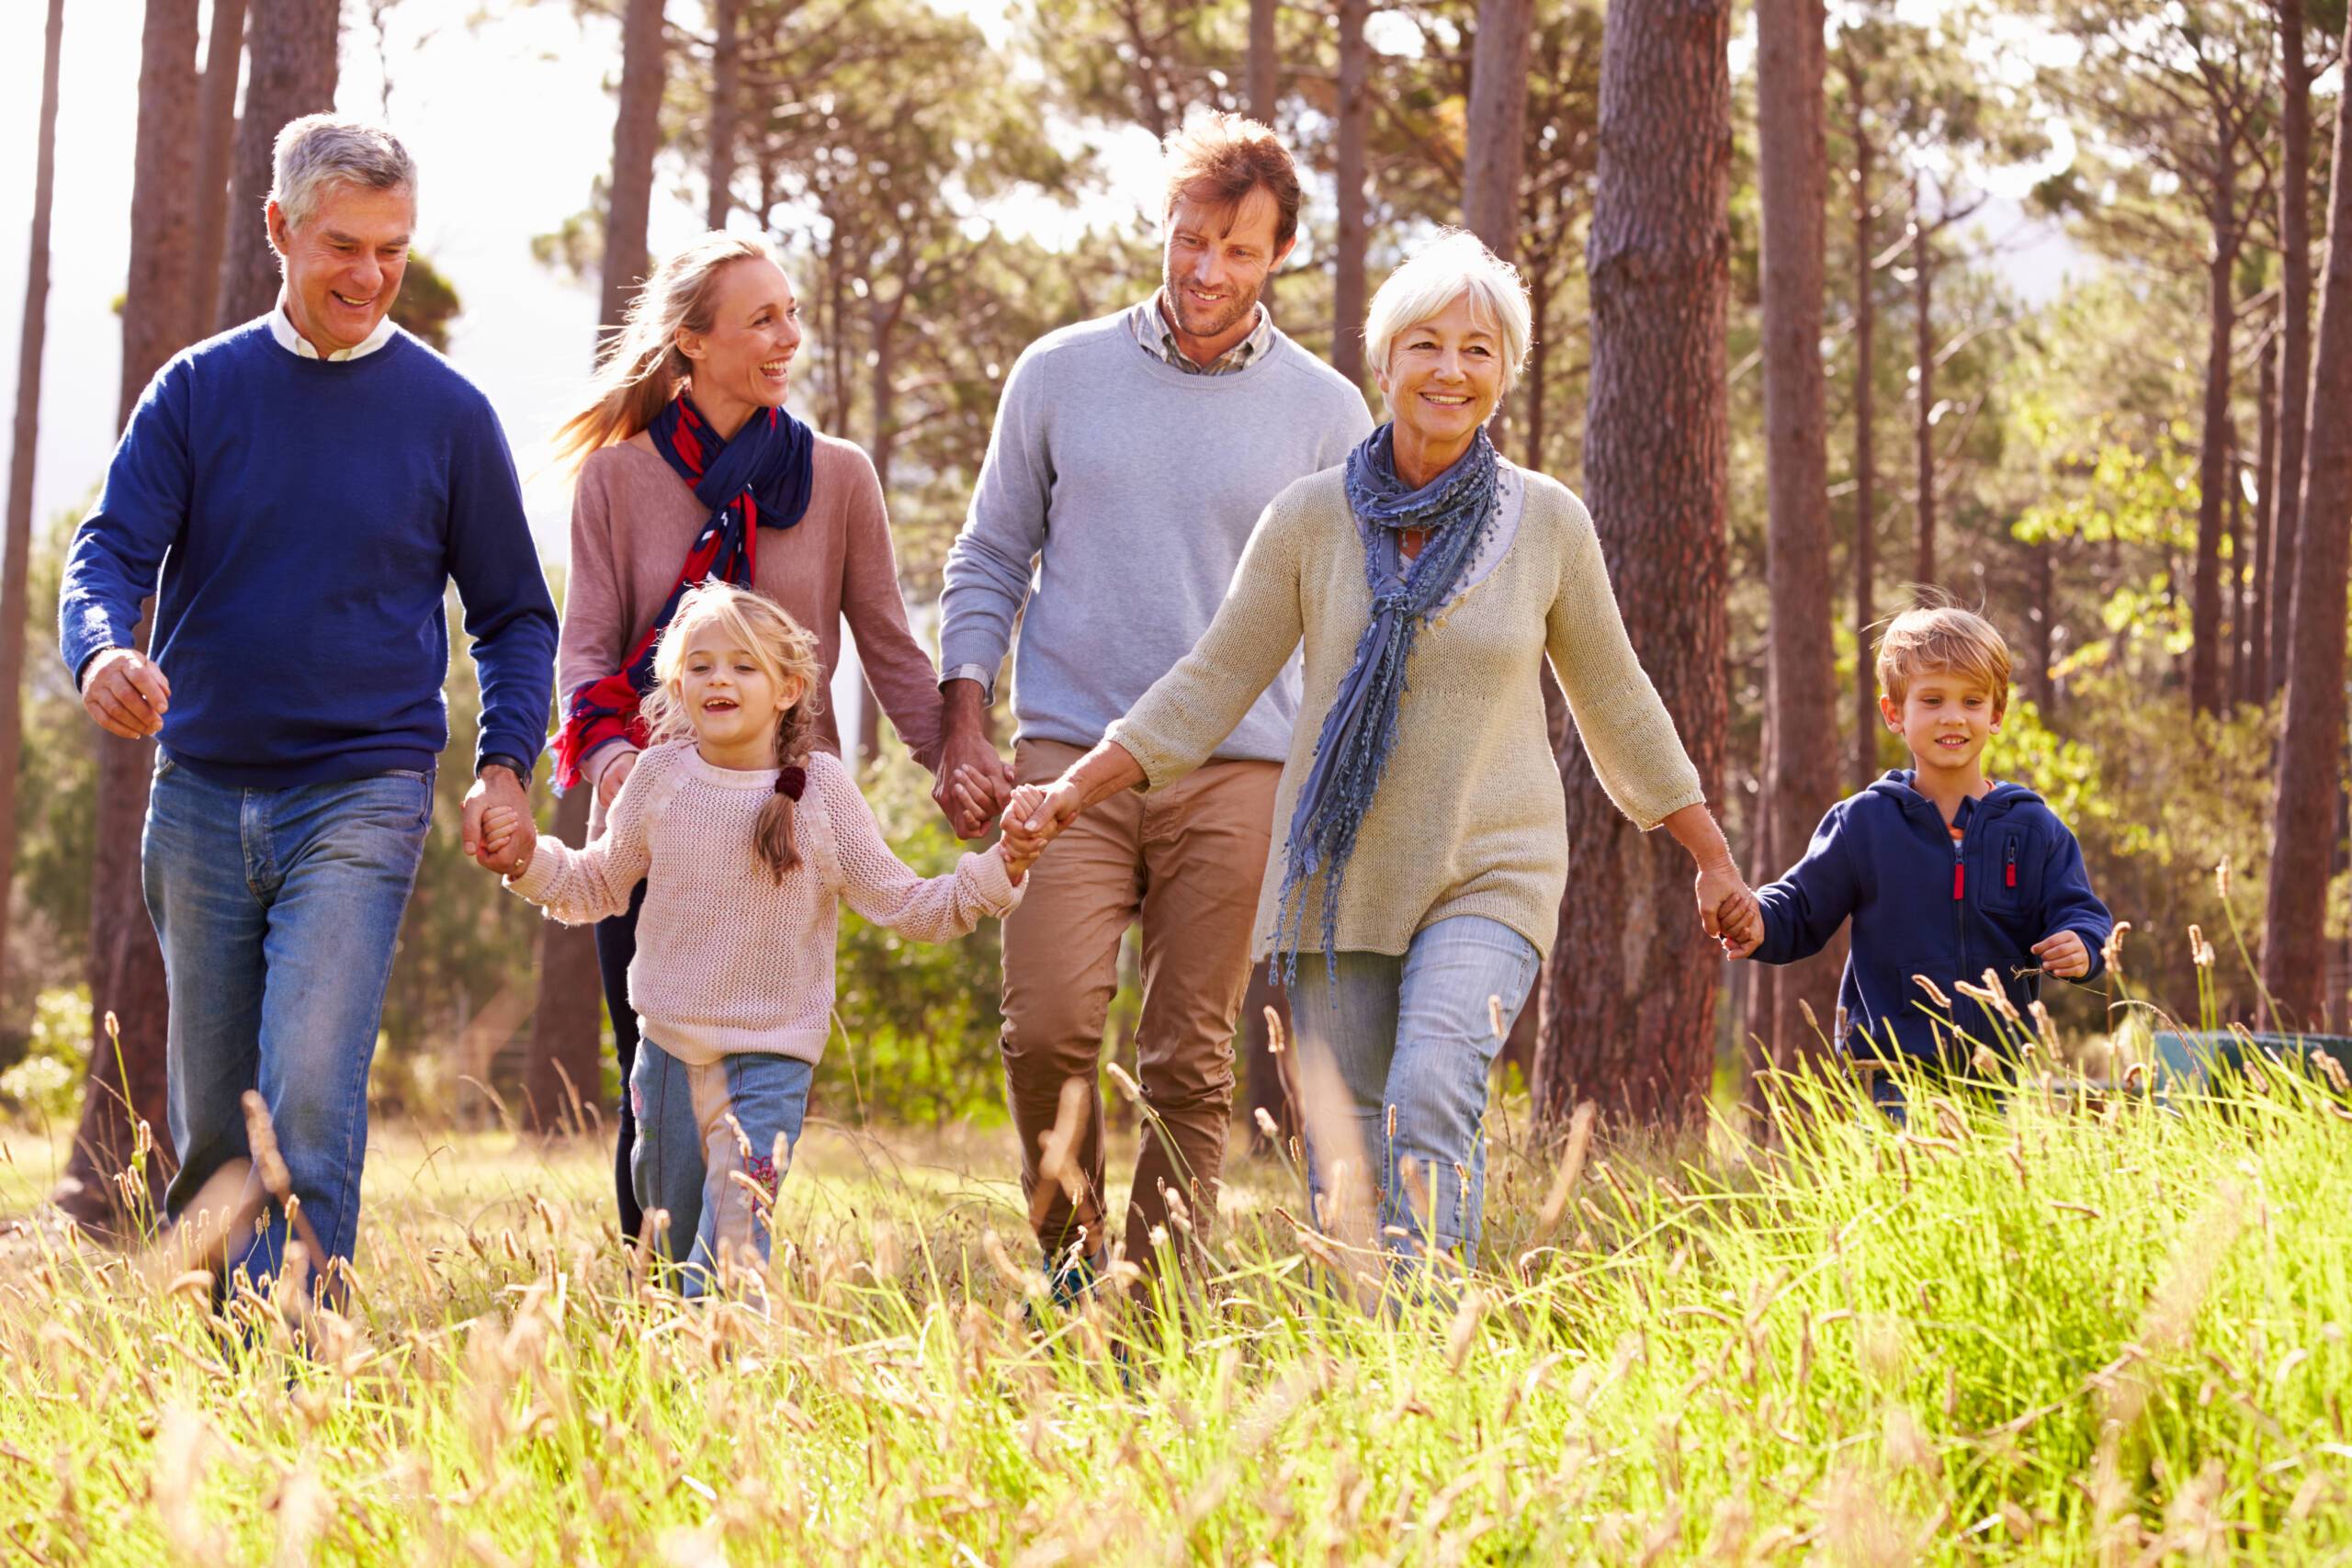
x=1221 y=158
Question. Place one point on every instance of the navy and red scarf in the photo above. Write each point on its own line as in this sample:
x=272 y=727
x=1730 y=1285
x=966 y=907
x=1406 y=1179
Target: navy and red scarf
x=759 y=478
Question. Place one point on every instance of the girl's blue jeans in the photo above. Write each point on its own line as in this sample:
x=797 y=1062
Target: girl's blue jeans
x=1409 y=1042
x=697 y=1127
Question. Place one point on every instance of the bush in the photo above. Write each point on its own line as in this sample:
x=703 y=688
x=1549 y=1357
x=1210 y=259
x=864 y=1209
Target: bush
x=47 y=1083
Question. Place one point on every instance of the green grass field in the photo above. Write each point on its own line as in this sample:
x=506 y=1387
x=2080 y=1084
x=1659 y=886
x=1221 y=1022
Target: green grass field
x=2016 y=1332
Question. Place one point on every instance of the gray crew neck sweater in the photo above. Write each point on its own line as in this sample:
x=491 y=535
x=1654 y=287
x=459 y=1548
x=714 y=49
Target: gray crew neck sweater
x=1129 y=488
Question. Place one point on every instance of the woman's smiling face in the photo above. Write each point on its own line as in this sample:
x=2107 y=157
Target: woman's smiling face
x=1445 y=375
x=745 y=356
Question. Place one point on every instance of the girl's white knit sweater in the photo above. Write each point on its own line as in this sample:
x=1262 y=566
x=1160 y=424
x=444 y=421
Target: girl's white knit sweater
x=728 y=960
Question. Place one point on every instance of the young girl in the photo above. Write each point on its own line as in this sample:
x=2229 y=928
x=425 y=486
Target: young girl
x=748 y=839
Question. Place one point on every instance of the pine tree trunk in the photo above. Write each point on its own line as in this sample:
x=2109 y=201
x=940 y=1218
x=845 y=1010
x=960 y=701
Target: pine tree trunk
x=216 y=128
x=2311 y=751
x=126 y=1086
x=25 y=441
x=636 y=133
x=1923 y=358
x=2233 y=583
x=291 y=73
x=726 y=72
x=560 y=1071
x=2255 y=687
x=1866 y=718
x=2294 y=332
x=1630 y=989
x=1347 y=265
x=1800 y=658
x=2212 y=473
x=1265 y=62
x=1495 y=134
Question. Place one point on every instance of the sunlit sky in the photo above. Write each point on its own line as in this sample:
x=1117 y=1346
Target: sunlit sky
x=506 y=108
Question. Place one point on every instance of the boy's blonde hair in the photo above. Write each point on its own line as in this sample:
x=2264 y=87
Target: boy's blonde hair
x=785 y=651
x=1940 y=634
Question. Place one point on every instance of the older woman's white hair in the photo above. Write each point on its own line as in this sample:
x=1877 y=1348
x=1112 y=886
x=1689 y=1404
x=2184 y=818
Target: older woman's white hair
x=319 y=150
x=1455 y=264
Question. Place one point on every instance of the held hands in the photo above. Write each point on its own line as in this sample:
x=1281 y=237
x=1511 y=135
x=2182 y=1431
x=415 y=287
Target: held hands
x=1728 y=911
x=125 y=693
x=973 y=786
x=2063 y=954
x=1034 y=815
x=508 y=841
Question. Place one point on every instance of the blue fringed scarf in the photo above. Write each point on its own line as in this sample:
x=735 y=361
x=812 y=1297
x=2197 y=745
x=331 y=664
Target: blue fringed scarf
x=1455 y=510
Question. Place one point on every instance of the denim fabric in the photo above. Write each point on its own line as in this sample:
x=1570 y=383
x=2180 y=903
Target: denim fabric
x=278 y=912
x=1410 y=1041
x=615 y=950
x=687 y=1151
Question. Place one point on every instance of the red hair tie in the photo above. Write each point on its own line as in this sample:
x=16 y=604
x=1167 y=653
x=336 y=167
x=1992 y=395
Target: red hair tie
x=790 y=782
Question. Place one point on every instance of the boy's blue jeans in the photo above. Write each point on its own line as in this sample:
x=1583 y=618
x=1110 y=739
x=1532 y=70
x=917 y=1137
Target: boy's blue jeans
x=278 y=911
x=1410 y=1041
x=688 y=1151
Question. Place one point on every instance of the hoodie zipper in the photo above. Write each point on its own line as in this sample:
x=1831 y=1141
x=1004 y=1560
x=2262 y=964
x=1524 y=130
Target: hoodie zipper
x=2009 y=870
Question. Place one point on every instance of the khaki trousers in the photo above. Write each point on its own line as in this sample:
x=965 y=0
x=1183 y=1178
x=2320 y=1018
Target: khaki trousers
x=1187 y=860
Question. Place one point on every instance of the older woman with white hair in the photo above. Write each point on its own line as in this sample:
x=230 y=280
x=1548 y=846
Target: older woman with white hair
x=1427 y=852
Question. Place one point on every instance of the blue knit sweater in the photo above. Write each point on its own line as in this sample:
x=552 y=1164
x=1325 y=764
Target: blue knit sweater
x=299 y=522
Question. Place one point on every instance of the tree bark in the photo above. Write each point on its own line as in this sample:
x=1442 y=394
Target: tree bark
x=2212 y=471
x=2255 y=687
x=2294 y=330
x=25 y=442
x=1347 y=263
x=293 y=73
x=1495 y=134
x=637 y=133
x=1801 y=680
x=1629 y=992
x=560 y=1071
x=216 y=128
x=2233 y=583
x=2311 y=752
x=1866 y=717
x=1265 y=62
x=126 y=1085
x=726 y=71
x=1923 y=357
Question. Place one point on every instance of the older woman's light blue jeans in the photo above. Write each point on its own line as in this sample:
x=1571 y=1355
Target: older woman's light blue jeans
x=1404 y=1045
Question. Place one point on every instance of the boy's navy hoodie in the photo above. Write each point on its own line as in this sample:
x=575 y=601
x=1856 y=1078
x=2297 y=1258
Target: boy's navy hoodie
x=1922 y=904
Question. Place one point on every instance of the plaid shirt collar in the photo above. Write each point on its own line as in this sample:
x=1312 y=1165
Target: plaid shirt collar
x=1157 y=337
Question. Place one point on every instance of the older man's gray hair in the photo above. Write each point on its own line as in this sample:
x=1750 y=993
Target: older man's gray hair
x=319 y=150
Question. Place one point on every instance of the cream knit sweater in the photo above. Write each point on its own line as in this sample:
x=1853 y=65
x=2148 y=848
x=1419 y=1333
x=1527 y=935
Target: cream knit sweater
x=727 y=961
x=1468 y=819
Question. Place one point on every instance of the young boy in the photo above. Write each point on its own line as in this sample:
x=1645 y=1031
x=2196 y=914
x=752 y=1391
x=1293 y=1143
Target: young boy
x=1944 y=873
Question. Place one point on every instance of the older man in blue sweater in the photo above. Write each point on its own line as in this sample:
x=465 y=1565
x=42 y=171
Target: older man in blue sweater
x=296 y=494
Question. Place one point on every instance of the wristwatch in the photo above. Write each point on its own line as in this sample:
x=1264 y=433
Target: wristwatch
x=515 y=765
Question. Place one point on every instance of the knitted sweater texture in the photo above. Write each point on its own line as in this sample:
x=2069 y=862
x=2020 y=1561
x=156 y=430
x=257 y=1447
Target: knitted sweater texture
x=1468 y=819
x=729 y=961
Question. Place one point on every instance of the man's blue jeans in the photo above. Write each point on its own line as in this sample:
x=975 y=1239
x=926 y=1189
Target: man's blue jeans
x=697 y=1127
x=1409 y=1041
x=278 y=911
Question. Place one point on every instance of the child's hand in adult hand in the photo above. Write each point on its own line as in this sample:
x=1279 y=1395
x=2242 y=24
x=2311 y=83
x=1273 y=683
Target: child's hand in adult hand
x=507 y=847
x=2063 y=953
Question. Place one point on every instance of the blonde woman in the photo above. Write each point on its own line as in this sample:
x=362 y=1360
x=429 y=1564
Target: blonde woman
x=691 y=470
x=746 y=840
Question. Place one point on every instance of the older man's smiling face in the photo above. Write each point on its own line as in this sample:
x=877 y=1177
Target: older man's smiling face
x=343 y=261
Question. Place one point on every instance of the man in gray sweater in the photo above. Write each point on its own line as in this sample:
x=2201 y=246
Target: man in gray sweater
x=1131 y=459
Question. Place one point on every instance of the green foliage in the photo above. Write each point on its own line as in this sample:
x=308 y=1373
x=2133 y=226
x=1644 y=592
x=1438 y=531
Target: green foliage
x=45 y=1084
x=919 y=1021
x=427 y=303
x=56 y=797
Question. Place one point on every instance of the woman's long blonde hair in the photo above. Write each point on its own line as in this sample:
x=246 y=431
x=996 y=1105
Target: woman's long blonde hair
x=786 y=651
x=641 y=367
